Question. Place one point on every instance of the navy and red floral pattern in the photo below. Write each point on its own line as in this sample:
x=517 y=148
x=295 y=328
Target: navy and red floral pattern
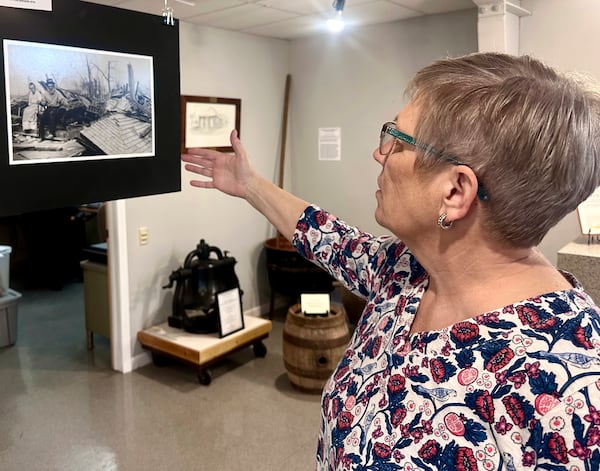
x=517 y=388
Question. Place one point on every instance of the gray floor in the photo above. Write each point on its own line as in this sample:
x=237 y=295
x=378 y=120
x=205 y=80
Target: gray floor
x=62 y=408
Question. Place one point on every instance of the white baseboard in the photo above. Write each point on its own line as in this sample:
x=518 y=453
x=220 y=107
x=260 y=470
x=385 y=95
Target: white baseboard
x=140 y=360
x=263 y=309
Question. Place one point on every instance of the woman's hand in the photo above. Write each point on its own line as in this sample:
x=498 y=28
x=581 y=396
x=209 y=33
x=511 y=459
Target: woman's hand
x=232 y=174
x=229 y=173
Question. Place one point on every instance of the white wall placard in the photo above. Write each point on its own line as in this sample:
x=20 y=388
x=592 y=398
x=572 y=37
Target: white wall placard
x=28 y=4
x=330 y=144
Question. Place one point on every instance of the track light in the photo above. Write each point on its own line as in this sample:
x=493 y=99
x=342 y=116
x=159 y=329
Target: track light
x=338 y=5
x=336 y=24
x=168 y=15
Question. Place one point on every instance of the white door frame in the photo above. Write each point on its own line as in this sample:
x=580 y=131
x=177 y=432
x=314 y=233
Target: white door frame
x=118 y=279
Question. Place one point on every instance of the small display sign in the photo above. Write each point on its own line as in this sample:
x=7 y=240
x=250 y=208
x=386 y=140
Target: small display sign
x=315 y=304
x=231 y=318
x=28 y=4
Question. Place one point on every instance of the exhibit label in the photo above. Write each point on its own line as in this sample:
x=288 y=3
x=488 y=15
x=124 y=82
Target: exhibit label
x=28 y=4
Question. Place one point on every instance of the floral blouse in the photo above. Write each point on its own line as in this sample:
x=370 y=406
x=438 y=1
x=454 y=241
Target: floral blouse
x=517 y=388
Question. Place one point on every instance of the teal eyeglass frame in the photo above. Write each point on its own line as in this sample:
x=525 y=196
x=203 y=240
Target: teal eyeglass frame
x=390 y=128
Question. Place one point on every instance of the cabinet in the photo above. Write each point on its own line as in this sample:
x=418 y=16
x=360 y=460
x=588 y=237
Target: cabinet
x=95 y=292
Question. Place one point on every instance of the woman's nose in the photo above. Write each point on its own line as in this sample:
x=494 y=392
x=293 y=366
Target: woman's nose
x=378 y=156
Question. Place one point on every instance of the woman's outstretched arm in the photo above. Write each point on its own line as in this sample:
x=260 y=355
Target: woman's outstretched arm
x=232 y=174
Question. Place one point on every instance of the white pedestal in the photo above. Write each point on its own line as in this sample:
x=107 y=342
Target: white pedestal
x=583 y=261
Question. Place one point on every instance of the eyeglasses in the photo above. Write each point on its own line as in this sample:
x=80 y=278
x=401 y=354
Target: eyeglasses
x=387 y=143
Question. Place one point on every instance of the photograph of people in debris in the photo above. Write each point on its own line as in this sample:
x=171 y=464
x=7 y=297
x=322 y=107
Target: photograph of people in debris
x=66 y=103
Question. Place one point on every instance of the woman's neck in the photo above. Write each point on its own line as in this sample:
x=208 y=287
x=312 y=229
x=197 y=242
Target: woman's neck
x=475 y=280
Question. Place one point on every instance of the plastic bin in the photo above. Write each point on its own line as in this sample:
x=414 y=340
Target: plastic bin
x=8 y=318
x=5 y=251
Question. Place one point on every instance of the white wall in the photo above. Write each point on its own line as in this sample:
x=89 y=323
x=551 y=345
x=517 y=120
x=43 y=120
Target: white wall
x=221 y=64
x=356 y=81
x=564 y=34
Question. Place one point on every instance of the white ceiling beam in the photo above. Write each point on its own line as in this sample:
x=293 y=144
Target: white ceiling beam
x=498 y=25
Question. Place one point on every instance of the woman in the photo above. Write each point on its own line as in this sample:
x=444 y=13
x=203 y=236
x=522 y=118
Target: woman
x=473 y=351
x=31 y=111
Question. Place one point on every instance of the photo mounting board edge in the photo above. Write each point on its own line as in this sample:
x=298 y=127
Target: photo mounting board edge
x=82 y=25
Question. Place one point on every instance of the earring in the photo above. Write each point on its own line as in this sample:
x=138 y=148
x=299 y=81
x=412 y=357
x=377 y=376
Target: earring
x=442 y=222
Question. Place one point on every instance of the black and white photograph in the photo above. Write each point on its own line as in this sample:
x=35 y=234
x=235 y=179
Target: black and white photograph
x=68 y=103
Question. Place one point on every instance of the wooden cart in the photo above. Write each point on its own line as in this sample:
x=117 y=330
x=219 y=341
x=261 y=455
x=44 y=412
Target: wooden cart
x=202 y=350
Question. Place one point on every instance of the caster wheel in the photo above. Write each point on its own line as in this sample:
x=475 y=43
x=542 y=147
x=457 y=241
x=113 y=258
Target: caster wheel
x=204 y=377
x=159 y=360
x=259 y=349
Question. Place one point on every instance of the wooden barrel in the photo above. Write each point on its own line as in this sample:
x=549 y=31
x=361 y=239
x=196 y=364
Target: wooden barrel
x=313 y=346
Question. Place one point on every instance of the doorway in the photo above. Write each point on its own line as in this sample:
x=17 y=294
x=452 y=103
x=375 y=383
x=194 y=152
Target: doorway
x=47 y=249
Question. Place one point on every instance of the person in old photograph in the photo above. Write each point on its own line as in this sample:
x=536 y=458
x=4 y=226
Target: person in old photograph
x=473 y=351
x=55 y=104
x=31 y=111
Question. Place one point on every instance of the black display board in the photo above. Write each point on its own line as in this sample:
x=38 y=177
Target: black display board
x=78 y=24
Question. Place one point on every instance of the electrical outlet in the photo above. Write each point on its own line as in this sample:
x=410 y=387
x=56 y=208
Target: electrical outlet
x=143 y=235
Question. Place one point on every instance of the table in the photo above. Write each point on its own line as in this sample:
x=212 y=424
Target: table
x=202 y=350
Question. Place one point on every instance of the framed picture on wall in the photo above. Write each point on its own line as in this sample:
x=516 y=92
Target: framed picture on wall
x=208 y=122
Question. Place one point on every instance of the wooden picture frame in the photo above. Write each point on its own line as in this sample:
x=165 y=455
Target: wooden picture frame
x=208 y=121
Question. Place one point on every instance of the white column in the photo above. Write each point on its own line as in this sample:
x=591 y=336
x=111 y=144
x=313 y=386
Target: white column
x=118 y=279
x=498 y=25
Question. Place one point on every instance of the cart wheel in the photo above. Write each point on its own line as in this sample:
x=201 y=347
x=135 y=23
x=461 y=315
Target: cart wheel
x=259 y=349
x=159 y=360
x=204 y=377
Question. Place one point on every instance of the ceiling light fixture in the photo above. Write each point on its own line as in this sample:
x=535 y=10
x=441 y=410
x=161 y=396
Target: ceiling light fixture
x=336 y=24
x=187 y=2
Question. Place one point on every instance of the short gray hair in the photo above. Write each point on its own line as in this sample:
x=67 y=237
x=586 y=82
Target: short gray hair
x=531 y=134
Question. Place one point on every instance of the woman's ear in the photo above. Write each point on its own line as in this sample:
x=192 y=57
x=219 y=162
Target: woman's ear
x=459 y=191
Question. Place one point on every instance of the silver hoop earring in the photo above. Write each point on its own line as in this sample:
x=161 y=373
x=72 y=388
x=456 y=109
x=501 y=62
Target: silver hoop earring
x=442 y=222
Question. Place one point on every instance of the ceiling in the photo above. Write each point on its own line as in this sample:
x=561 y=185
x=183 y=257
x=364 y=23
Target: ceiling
x=287 y=19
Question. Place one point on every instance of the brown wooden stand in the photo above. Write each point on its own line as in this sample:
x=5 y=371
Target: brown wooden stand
x=202 y=350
